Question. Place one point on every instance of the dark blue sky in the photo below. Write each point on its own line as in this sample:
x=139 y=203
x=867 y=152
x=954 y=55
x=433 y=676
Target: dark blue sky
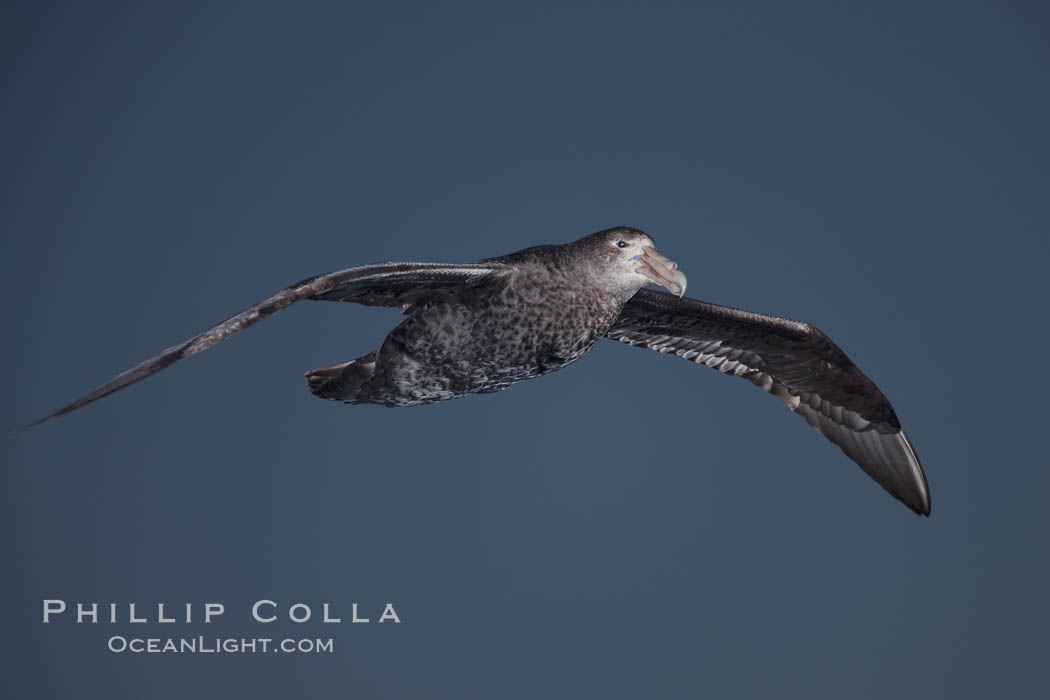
x=633 y=526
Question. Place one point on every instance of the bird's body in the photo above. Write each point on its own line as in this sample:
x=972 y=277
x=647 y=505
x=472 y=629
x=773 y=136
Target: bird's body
x=480 y=327
x=544 y=312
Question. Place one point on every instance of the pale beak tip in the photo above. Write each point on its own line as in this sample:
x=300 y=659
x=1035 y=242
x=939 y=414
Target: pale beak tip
x=678 y=285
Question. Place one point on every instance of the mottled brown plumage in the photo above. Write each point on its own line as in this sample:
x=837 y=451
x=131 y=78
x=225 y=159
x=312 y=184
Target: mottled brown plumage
x=481 y=327
x=537 y=311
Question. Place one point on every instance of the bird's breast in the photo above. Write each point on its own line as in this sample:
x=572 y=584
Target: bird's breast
x=532 y=325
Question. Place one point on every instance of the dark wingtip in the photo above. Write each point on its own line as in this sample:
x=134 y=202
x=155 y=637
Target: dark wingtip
x=929 y=508
x=27 y=426
x=922 y=509
x=924 y=504
x=21 y=429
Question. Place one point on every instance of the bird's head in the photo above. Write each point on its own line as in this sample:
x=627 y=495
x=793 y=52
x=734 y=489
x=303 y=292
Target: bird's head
x=628 y=260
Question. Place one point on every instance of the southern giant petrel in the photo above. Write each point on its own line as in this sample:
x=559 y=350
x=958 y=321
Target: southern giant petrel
x=480 y=327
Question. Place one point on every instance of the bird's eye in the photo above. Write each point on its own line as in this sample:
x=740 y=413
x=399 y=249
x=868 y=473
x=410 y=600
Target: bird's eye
x=621 y=244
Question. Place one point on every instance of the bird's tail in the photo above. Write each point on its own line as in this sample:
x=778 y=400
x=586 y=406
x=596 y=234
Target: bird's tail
x=341 y=382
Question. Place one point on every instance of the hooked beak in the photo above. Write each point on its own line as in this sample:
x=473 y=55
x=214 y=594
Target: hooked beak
x=662 y=271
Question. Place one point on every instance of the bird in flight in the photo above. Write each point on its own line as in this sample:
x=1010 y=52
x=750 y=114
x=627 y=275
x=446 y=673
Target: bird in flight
x=480 y=327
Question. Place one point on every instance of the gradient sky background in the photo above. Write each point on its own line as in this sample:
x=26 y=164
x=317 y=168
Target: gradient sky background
x=633 y=526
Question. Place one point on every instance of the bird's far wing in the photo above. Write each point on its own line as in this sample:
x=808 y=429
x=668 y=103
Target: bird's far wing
x=401 y=284
x=382 y=284
x=793 y=361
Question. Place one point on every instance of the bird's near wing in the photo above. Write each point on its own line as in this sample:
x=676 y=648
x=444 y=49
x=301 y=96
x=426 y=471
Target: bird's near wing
x=793 y=361
x=382 y=284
